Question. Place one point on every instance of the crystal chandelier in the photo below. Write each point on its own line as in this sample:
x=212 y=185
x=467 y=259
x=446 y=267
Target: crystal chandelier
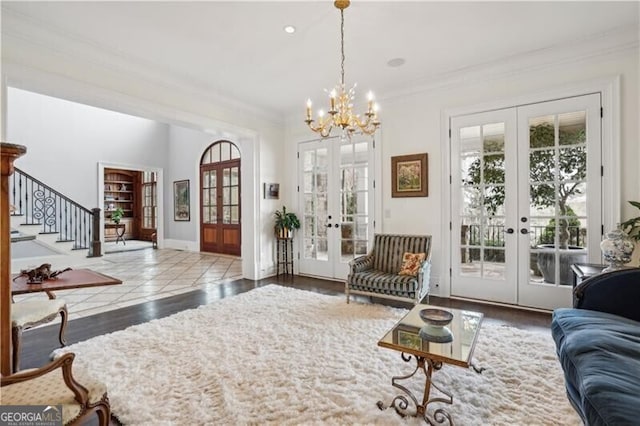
x=340 y=112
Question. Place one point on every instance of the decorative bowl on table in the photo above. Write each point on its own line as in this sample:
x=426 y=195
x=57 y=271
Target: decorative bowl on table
x=435 y=330
x=436 y=317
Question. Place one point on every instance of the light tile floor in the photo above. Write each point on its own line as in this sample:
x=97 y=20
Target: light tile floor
x=146 y=275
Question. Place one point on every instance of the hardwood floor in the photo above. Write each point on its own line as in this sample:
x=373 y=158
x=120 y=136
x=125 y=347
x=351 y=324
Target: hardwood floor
x=38 y=343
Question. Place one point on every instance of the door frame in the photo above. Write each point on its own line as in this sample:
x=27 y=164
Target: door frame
x=218 y=166
x=375 y=190
x=159 y=200
x=609 y=89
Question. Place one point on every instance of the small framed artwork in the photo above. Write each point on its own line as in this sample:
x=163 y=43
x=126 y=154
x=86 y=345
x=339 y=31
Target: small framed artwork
x=181 y=207
x=409 y=175
x=408 y=337
x=272 y=191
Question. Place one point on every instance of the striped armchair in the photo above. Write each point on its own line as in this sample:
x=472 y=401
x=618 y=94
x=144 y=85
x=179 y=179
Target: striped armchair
x=376 y=274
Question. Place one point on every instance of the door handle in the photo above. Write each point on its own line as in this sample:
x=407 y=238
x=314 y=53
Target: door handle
x=509 y=230
x=328 y=225
x=336 y=225
x=524 y=231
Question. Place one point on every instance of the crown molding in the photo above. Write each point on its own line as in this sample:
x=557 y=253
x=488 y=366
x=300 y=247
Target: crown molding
x=24 y=77
x=605 y=44
x=40 y=36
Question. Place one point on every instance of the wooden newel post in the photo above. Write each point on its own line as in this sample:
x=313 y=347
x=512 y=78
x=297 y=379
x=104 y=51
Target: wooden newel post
x=8 y=154
x=96 y=245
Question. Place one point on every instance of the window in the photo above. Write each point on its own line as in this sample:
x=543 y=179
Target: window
x=149 y=200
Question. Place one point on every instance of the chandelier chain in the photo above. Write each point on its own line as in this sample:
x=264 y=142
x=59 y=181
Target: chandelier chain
x=342 y=45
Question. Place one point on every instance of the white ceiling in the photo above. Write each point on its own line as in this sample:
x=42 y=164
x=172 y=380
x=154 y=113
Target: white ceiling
x=239 y=49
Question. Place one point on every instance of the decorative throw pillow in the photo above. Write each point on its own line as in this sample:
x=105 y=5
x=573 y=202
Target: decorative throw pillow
x=411 y=263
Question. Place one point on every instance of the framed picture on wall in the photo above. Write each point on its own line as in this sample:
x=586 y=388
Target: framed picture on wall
x=409 y=175
x=272 y=191
x=181 y=205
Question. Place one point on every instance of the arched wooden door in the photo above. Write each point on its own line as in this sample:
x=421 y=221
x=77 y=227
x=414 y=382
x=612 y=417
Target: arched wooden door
x=220 y=229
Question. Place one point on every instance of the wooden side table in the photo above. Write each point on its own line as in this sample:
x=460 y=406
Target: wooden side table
x=582 y=271
x=120 y=230
x=284 y=255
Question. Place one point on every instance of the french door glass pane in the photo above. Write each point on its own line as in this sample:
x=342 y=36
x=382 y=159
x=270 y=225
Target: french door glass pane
x=354 y=190
x=234 y=175
x=225 y=151
x=235 y=152
x=558 y=187
x=315 y=178
x=215 y=153
x=226 y=196
x=482 y=221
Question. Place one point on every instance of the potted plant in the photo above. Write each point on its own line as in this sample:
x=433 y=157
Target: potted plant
x=632 y=226
x=117 y=214
x=285 y=223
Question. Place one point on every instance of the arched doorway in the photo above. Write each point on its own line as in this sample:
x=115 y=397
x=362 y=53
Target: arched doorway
x=220 y=230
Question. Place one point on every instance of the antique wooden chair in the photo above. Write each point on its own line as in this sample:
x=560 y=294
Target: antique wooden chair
x=28 y=314
x=54 y=384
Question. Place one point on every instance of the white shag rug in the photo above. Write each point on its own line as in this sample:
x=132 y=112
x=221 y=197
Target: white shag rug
x=277 y=355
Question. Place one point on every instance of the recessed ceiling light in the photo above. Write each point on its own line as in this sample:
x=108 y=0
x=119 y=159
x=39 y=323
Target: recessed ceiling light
x=396 y=62
x=289 y=29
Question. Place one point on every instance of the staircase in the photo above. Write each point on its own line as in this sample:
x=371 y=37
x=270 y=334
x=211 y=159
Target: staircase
x=40 y=212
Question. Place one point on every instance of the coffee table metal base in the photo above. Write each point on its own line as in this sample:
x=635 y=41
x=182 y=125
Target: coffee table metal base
x=402 y=405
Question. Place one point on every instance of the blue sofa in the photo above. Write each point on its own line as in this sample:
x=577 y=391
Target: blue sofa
x=598 y=344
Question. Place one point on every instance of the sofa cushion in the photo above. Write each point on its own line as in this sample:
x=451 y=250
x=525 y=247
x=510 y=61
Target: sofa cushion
x=384 y=283
x=411 y=263
x=600 y=355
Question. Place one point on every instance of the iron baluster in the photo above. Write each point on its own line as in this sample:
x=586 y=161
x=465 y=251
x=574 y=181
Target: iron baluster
x=56 y=213
x=13 y=191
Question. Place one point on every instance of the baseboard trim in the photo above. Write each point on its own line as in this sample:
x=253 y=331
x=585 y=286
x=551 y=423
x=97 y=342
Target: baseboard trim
x=504 y=305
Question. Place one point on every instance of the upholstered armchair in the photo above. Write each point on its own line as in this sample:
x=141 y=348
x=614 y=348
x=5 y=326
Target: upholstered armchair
x=377 y=273
x=54 y=384
x=28 y=314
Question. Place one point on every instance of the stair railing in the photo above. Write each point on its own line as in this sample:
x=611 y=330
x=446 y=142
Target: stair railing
x=40 y=204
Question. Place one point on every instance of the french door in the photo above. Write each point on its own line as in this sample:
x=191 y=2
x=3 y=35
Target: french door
x=336 y=198
x=483 y=204
x=220 y=228
x=526 y=200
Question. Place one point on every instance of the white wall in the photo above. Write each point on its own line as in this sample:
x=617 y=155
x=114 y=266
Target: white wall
x=65 y=142
x=71 y=72
x=257 y=155
x=411 y=123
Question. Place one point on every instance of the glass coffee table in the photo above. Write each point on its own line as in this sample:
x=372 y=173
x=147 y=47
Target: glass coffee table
x=431 y=346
